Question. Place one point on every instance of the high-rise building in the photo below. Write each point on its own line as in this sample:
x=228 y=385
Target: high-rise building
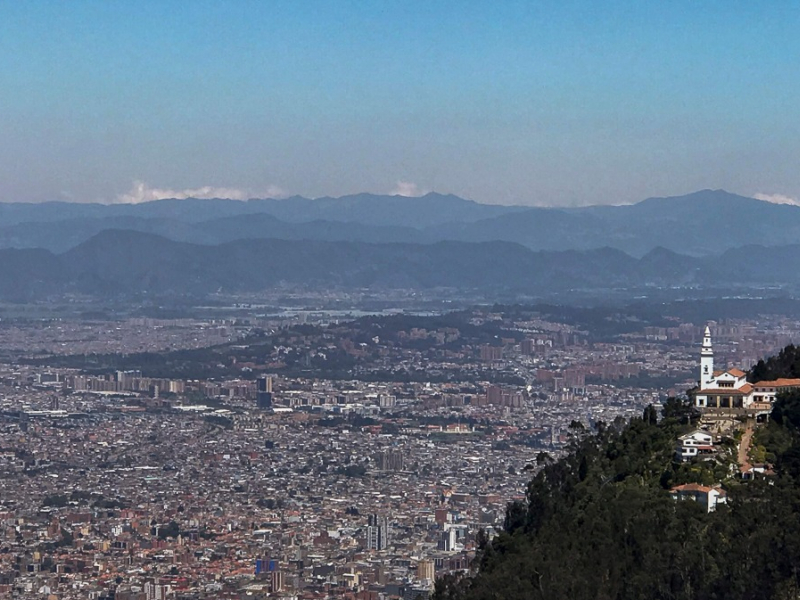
x=265 y=383
x=425 y=570
x=527 y=346
x=490 y=353
x=494 y=394
x=377 y=533
x=276 y=582
x=447 y=541
x=390 y=460
x=387 y=401
x=264 y=392
x=156 y=591
x=126 y=378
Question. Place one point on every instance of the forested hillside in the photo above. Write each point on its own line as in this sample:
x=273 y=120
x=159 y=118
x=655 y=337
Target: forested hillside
x=785 y=364
x=600 y=523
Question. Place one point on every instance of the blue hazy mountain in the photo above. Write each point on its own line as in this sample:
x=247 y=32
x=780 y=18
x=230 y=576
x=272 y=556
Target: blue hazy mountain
x=59 y=236
x=704 y=223
x=370 y=209
x=124 y=263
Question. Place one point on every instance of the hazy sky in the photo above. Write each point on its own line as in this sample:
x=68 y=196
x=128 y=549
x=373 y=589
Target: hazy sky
x=528 y=102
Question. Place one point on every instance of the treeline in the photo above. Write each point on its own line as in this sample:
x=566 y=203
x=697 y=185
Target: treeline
x=785 y=364
x=600 y=523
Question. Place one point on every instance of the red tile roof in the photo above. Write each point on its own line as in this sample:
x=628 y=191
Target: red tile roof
x=691 y=487
x=783 y=382
x=741 y=391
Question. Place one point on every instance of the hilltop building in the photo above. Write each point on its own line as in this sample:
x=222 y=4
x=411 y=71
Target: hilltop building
x=730 y=389
x=708 y=497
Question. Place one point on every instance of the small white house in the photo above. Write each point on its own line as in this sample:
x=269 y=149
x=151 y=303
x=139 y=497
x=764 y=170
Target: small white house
x=693 y=444
x=709 y=497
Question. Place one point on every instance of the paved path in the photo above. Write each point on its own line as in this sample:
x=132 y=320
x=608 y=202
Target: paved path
x=744 y=447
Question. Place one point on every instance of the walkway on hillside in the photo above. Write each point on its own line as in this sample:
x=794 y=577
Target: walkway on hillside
x=744 y=447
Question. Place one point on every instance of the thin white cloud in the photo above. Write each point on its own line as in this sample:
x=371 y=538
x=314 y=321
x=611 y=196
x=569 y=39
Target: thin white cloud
x=142 y=192
x=407 y=188
x=777 y=199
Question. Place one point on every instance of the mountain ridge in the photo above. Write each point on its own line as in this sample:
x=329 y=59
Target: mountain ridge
x=125 y=263
x=703 y=223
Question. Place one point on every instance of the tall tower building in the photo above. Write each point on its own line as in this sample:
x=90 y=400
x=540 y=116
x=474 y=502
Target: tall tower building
x=706 y=361
x=426 y=570
x=264 y=392
x=377 y=533
x=265 y=383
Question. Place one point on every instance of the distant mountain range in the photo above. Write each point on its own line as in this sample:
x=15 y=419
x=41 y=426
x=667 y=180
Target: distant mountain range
x=370 y=209
x=120 y=262
x=705 y=223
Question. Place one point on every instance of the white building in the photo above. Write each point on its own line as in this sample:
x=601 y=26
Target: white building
x=694 y=444
x=730 y=388
x=708 y=497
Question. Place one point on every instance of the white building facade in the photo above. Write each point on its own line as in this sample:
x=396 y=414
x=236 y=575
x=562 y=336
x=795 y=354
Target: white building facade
x=730 y=389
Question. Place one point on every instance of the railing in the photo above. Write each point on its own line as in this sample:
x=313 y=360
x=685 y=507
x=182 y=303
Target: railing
x=713 y=411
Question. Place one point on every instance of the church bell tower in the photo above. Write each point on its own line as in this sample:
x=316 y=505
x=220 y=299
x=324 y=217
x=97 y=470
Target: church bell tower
x=706 y=361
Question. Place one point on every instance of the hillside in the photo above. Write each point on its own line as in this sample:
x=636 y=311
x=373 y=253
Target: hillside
x=125 y=263
x=60 y=236
x=140 y=262
x=600 y=523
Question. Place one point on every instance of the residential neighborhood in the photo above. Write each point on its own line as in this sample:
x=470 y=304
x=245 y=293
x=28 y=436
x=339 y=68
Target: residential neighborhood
x=277 y=484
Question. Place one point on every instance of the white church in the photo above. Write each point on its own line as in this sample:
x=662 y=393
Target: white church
x=730 y=389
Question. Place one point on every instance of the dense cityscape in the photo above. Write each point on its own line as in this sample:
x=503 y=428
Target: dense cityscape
x=266 y=481
x=399 y=300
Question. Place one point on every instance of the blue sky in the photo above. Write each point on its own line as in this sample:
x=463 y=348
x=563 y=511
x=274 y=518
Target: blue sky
x=548 y=103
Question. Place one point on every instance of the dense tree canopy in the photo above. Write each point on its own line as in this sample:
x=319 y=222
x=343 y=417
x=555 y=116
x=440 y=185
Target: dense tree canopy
x=785 y=364
x=600 y=523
